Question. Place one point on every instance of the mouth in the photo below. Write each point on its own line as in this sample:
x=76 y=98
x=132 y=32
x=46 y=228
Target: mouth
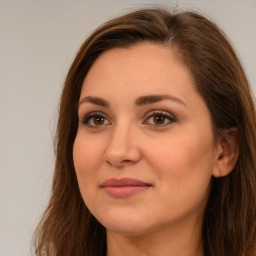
x=123 y=188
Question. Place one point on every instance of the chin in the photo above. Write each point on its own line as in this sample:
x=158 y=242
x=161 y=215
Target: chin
x=127 y=230
x=124 y=223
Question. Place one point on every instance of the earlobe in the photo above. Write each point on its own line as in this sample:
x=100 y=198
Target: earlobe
x=227 y=153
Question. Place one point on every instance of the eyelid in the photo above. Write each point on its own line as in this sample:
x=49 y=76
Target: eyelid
x=90 y=115
x=172 y=118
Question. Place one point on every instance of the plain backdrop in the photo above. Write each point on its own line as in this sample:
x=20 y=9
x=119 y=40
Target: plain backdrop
x=38 y=41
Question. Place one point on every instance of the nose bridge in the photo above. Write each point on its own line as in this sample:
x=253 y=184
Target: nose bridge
x=122 y=148
x=121 y=133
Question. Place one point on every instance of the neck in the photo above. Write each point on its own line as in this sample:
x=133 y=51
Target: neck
x=182 y=240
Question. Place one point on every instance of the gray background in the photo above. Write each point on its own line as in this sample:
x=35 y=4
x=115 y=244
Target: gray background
x=38 y=40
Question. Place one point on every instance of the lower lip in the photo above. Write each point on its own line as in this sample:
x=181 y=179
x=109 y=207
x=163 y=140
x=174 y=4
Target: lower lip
x=125 y=191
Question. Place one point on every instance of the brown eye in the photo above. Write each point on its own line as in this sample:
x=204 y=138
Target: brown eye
x=158 y=119
x=98 y=120
x=95 y=120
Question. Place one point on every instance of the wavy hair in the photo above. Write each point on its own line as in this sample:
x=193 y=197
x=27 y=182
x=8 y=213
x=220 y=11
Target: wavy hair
x=229 y=226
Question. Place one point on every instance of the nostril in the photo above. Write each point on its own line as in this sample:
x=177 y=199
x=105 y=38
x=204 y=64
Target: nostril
x=119 y=164
x=126 y=161
x=109 y=162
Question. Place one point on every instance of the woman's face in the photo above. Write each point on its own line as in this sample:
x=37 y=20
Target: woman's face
x=144 y=151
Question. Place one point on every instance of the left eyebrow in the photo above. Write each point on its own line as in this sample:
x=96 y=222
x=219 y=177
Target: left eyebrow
x=94 y=100
x=149 y=99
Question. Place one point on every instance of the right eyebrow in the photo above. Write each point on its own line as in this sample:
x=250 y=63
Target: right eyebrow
x=94 y=100
x=150 y=99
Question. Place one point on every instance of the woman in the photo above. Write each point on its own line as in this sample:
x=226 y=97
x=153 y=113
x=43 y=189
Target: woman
x=155 y=144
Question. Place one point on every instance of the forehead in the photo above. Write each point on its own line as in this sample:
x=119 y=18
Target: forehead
x=145 y=66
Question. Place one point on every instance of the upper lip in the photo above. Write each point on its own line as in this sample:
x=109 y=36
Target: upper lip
x=113 y=182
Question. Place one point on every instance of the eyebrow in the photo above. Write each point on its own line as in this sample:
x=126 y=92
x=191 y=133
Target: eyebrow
x=150 y=99
x=142 y=100
x=94 y=100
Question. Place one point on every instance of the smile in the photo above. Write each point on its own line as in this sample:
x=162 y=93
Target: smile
x=123 y=188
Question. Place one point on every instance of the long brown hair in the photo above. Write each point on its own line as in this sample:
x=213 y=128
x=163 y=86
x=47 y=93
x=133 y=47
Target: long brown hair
x=229 y=228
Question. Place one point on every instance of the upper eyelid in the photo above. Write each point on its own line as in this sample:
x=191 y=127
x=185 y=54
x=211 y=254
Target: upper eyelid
x=94 y=113
x=160 y=112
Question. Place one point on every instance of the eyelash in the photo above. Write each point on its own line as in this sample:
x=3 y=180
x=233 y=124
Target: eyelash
x=166 y=116
x=92 y=115
x=170 y=119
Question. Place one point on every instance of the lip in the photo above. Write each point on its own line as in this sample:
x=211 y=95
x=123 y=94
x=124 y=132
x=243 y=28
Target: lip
x=125 y=187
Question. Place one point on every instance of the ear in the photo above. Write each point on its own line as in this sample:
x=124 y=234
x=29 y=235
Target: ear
x=227 y=152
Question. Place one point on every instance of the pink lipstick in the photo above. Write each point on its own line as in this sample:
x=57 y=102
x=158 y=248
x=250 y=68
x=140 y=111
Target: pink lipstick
x=126 y=187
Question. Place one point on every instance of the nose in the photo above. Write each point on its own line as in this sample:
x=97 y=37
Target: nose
x=122 y=148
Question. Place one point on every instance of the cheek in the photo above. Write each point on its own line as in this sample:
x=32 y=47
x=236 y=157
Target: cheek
x=184 y=170
x=87 y=156
x=183 y=161
x=179 y=151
